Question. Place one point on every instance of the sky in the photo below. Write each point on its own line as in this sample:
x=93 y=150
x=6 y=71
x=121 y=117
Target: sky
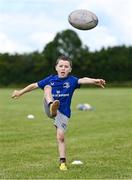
x=28 y=25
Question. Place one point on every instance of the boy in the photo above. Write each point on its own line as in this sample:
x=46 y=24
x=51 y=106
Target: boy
x=58 y=91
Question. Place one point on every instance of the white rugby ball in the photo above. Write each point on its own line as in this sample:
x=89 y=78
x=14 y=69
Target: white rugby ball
x=83 y=19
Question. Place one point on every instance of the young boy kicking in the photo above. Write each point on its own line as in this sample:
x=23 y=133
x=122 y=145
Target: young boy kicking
x=58 y=91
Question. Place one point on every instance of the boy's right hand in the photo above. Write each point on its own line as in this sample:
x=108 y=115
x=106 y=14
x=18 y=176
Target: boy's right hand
x=16 y=94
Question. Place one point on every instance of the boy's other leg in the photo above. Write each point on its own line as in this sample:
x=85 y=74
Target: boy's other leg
x=61 y=149
x=51 y=104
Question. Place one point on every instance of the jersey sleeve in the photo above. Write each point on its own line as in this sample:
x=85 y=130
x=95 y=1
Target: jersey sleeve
x=76 y=82
x=42 y=83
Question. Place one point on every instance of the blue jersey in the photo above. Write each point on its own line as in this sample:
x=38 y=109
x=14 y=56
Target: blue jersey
x=62 y=90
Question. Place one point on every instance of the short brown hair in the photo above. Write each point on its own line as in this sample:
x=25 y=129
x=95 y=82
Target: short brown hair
x=64 y=58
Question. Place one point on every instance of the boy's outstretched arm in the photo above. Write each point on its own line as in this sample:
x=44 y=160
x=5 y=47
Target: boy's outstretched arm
x=18 y=93
x=86 y=80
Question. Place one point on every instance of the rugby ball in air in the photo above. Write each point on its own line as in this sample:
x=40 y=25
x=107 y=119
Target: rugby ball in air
x=83 y=19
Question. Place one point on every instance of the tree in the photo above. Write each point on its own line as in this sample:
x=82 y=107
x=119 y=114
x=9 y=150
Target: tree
x=67 y=43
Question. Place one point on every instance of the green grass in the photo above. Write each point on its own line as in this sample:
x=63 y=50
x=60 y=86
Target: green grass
x=101 y=139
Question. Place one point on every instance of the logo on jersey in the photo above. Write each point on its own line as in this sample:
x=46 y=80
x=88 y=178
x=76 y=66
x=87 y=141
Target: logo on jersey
x=52 y=83
x=66 y=85
x=57 y=91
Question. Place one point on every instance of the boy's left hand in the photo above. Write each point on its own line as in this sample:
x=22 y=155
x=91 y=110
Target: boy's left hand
x=100 y=82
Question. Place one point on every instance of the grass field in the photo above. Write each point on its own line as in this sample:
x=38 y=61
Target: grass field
x=101 y=139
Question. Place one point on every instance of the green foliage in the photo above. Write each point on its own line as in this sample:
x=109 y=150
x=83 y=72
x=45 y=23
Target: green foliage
x=69 y=44
x=22 y=69
x=113 y=64
x=101 y=139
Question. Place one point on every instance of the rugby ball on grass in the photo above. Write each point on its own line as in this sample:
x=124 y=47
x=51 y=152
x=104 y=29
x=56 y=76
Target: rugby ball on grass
x=83 y=19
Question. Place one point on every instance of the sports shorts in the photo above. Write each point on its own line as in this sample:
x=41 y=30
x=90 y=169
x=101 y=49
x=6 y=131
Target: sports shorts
x=60 y=121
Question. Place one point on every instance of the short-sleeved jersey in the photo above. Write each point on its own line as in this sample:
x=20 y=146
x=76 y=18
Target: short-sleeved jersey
x=62 y=90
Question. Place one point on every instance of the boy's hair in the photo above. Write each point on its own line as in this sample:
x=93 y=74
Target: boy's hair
x=64 y=58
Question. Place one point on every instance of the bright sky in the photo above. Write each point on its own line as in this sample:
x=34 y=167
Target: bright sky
x=28 y=25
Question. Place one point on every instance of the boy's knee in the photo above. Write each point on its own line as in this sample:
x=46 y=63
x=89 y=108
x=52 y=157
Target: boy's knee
x=60 y=137
x=47 y=87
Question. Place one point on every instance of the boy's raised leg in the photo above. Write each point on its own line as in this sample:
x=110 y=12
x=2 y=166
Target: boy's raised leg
x=53 y=105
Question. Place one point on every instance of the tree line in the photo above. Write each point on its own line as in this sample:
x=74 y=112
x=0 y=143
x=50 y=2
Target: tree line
x=113 y=64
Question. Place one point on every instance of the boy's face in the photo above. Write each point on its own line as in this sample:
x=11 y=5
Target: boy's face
x=63 y=68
